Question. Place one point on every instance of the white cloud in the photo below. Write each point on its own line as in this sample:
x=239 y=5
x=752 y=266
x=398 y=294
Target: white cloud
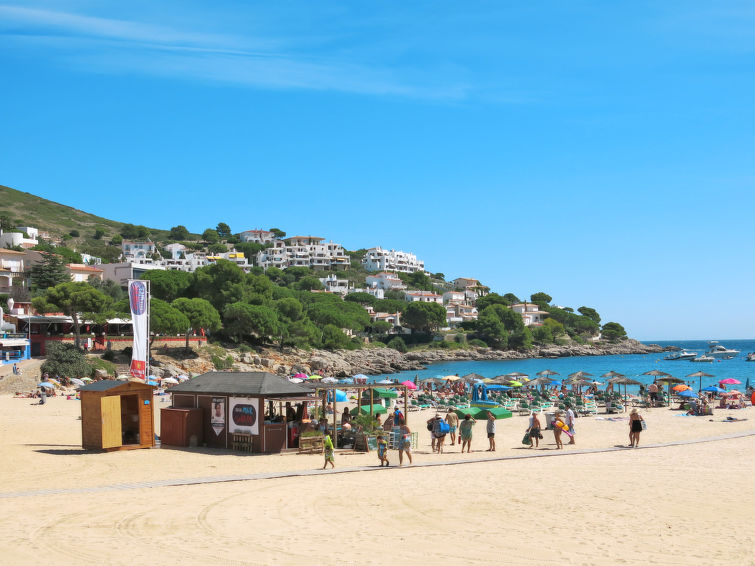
x=115 y=45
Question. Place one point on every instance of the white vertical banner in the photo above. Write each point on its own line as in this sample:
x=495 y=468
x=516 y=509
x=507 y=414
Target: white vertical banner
x=138 y=298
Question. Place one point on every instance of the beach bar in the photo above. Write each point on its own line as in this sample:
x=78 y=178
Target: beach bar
x=246 y=411
x=117 y=415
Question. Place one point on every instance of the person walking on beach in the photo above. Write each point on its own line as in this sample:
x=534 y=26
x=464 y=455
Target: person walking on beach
x=383 y=451
x=491 y=431
x=453 y=421
x=405 y=445
x=465 y=432
x=328 y=451
x=558 y=423
x=570 y=416
x=436 y=424
x=534 y=431
x=635 y=428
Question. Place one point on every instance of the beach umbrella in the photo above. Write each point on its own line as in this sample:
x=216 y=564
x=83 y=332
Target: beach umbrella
x=700 y=374
x=296 y=380
x=669 y=380
x=547 y=372
x=409 y=384
x=472 y=376
x=713 y=389
x=727 y=381
x=514 y=375
x=612 y=374
x=123 y=377
x=580 y=374
x=77 y=381
x=452 y=378
x=488 y=380
x=182 y=378
x=300 y=375
x=688 y=393
x=623 y=380
x=541 y=381
x=45 y=384
x=55 y=382
x=152 y=382
x=515 y=383
x=681 y=387
x=314 y=376
x=329 y=380
x=359 y=376
x=171 y=380
x=656 y=372
x=385 y=382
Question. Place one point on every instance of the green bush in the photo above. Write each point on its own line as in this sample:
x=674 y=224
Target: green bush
x=477 y=342
x=244 y=348
x=109 y=356
x=222 y=363
x=97 y=363
x=398 y=344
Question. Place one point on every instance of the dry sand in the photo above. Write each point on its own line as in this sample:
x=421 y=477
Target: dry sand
x=690 y=503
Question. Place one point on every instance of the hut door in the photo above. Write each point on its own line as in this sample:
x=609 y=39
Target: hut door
x=111 y=421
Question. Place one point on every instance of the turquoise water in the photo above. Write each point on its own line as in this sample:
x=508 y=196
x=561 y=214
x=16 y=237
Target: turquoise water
x=631 y=365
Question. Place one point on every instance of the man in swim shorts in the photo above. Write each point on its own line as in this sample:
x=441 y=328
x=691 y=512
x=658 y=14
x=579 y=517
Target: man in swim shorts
x=453 y=422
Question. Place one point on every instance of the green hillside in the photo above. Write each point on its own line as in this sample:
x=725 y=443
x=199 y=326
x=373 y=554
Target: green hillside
x=25 y=209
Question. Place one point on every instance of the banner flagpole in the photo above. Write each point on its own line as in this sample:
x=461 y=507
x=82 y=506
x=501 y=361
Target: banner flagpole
x=138 y=296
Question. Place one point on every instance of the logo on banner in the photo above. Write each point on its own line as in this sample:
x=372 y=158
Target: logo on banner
x=244 y=415
x=138 y=297
x=139 y=369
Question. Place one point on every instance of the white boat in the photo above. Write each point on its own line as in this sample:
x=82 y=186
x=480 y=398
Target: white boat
x=683 y=355
x=703 y=358
x=751 y=357
x=716 y=350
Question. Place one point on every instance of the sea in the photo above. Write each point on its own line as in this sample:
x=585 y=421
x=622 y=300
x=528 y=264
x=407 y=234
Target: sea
x=632 y=365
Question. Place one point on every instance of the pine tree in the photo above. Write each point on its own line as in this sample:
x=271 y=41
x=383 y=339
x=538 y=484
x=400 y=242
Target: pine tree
x=52 y=271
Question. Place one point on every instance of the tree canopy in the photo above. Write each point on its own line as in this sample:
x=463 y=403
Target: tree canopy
x=52 y=271
x=424 y=317
x=199 y=312
x=74 y=300
x=613 y=332
x=165 y=319
x=168 y=285
x=179 y=233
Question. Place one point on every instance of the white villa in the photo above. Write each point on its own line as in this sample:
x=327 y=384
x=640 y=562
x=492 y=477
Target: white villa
x=385 y=281
x=334 y=285
x=257 y=236
x=234 y=257
x=137 y=250
x=19 y=238
x=423 y=297
x=91 y=259
x=373 y=290
x=531 y=313
x=454 y=297
x=393 y=318
x=378 y=259
x=304 y=251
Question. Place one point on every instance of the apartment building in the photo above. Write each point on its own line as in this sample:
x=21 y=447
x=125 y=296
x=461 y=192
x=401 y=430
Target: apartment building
x=378 y=259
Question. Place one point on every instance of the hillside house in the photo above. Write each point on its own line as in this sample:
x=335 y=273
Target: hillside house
x=385 y=281
x=531 y=313
x=378 y=259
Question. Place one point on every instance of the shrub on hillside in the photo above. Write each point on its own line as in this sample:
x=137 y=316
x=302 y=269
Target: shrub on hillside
x=398 y=344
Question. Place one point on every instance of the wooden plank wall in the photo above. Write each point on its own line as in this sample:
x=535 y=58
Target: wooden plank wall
x=91 y=421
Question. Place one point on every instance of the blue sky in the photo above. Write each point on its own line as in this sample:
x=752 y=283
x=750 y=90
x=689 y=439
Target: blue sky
x=600 y=152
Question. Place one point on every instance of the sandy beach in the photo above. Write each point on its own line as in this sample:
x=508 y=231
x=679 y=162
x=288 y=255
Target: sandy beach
x=660 y=505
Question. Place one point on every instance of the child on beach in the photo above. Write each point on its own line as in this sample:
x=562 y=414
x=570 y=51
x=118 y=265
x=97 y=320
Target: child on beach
x=328 y=451
x=383 y=451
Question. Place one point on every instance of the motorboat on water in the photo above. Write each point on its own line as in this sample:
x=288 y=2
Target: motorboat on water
x=750 y=357
x=703 y=358
x=683 y=355
x=718 y=351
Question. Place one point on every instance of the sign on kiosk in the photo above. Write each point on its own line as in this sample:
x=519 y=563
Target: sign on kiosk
x=243 y=415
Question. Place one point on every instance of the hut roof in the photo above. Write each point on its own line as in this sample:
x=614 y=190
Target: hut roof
x=241 y=383
x=105 y=385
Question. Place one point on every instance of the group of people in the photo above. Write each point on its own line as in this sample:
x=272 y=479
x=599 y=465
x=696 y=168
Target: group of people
x=440 y=427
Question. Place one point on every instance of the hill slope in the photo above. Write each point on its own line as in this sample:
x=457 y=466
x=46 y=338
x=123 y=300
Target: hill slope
x=25 y=209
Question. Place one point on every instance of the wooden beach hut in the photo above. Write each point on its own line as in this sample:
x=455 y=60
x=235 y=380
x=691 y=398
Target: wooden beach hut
x=117 y=415
x=244 y=411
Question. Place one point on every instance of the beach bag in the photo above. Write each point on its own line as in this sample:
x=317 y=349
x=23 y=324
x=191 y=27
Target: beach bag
x=430 y=426
x=526 y=440
x=644 y=424
x=444 y=427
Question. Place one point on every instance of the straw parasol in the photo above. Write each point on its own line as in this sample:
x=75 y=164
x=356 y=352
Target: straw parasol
x=579 y=375
x=547 y=372
x=623 y=380
x=472 y=377
x=701 y=375
x=514 y=375
x=543 y=380
x=670 y=380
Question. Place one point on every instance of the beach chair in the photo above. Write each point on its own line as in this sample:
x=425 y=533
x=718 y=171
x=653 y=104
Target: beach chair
x=524 y=408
